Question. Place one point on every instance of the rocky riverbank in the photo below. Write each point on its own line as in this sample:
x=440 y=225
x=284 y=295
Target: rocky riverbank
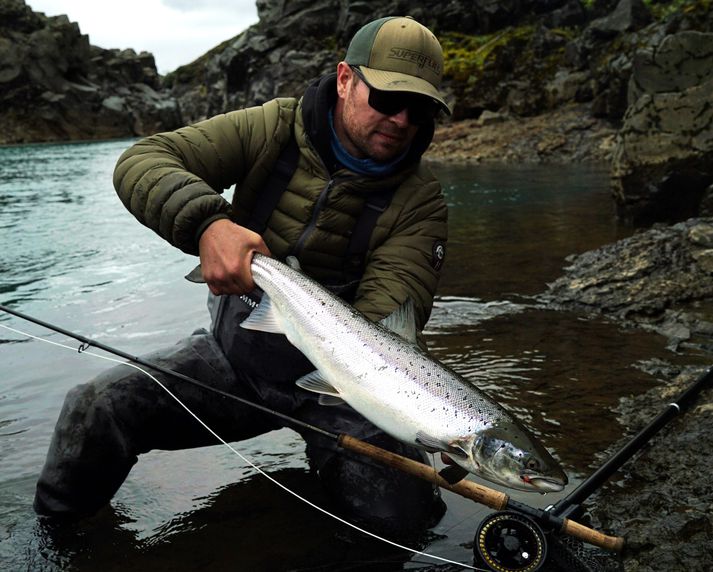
x=566 y=134
x=661 y=280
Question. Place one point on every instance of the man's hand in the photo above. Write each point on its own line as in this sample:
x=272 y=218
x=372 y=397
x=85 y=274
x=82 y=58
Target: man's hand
x=226 y=251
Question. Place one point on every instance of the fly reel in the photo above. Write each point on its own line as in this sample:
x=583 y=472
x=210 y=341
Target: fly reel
x=510 y=542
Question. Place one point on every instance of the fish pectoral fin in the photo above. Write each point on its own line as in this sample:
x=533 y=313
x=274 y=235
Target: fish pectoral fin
x=431 y=444
x=455 y=449
x=316 y=383
x=330 y=400
x=402 y=321
x=453 y=474
x=264 y=318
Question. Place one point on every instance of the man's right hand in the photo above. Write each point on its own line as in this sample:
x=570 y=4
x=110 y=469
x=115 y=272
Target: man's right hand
x=226 y=251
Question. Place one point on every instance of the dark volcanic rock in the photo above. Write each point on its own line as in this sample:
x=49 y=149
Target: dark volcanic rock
x=642 y=275
x=660 y=501
x=653 y=280
x=55 y=86
x=499 y=54
x=663 y=161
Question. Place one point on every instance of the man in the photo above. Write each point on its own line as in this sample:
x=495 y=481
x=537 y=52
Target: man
x=357 y=209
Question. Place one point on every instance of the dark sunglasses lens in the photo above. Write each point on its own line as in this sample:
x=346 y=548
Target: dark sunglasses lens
x=420 y=110
x=385 y=102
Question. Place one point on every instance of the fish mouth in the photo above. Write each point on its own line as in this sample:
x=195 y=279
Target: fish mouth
x=544 y=484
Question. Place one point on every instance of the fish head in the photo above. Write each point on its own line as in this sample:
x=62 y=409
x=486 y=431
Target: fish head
x=508 y=455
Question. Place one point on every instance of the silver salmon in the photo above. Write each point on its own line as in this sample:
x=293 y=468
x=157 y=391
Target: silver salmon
x=378 y=369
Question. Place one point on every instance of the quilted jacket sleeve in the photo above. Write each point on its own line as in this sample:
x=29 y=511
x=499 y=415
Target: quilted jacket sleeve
x=172 y=182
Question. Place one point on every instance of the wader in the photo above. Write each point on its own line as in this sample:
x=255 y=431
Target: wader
x=105 y=424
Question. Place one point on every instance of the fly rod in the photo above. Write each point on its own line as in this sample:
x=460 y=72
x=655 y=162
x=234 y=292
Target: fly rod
x=487 y=496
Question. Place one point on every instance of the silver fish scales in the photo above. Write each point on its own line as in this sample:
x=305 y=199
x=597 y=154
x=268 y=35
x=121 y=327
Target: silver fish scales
x=380 y=371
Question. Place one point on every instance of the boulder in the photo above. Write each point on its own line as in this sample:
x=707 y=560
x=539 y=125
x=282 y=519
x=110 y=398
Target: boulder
x=663 y=161
x=629 y=15
x=655 y=280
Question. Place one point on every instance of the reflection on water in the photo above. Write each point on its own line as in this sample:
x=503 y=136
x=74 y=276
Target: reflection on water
x=71 y=254
x=511 y=227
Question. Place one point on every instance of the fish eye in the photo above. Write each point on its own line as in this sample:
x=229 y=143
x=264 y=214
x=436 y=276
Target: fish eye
x=532 y=464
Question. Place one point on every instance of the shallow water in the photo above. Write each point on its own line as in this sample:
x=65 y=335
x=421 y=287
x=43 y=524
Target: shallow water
x=70 y=254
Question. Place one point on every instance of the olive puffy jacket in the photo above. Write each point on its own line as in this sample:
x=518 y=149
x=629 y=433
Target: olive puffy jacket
x=172 y=183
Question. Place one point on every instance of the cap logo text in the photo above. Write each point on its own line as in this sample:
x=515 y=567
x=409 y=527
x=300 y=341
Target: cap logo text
x=418 y=58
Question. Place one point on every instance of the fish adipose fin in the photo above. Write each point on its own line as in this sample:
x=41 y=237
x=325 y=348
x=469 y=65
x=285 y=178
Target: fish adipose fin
x=195 y=275
x=316 y=383
x=263 y=318
x=402 y=321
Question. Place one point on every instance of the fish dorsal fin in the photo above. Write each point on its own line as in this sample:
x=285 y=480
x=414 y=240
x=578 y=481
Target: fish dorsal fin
x=402 y=321
x=264 y=318
x=314 y=381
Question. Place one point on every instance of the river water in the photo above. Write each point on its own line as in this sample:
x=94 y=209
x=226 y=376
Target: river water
x=70 y=254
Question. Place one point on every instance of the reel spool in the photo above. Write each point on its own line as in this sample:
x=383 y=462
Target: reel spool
x=510 y=542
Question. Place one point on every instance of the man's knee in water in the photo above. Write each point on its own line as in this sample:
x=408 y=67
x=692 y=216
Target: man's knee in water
x=385 y=500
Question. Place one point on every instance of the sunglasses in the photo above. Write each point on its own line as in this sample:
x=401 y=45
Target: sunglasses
x=421 y=109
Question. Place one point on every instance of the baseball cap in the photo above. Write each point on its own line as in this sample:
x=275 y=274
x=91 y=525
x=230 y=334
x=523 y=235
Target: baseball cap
x=399 y=54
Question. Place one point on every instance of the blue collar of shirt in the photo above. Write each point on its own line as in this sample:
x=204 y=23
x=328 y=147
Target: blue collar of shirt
x=368 y=166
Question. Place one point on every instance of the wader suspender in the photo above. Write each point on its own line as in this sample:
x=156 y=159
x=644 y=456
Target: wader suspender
x=276 y=184
x=376 y=203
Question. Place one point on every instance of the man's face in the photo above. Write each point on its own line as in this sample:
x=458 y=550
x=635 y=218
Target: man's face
x=362 y=130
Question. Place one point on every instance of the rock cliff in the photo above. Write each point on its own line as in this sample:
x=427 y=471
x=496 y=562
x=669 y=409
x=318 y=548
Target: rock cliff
x=55 y=86
x=528 y=80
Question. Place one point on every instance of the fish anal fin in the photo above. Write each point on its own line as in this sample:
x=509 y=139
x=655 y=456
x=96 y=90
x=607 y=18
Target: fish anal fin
x=314 y=382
